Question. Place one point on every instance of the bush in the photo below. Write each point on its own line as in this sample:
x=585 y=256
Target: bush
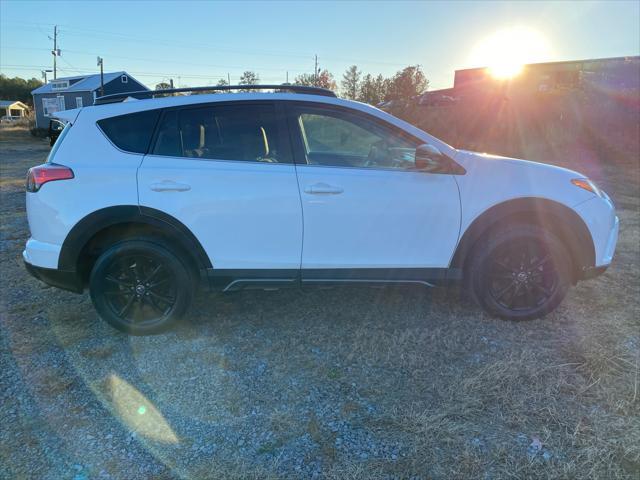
x=39 y=132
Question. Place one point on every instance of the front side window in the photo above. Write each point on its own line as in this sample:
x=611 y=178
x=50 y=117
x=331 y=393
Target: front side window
x=224 y=132
x=334 y=138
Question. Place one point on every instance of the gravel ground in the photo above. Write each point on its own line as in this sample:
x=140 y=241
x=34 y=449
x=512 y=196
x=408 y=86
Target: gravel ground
x=335 y=383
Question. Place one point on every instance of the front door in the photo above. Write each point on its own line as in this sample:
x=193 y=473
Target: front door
x=225 y=171
x=368 y=212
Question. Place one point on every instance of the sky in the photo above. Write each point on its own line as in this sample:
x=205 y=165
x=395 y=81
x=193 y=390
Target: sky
x=198 y=43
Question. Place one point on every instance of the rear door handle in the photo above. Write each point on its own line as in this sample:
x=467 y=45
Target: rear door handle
x=170 y=186
x=323 y=188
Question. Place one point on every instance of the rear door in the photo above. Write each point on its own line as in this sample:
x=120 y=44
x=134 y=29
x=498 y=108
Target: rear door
x=225 y=171
x=368 y=212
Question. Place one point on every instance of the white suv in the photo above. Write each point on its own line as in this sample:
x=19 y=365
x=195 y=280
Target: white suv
x=144 y=200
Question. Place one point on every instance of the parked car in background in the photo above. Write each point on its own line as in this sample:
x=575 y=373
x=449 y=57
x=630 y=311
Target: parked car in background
x=143 y=201
x=10 y=119
x=55 y=129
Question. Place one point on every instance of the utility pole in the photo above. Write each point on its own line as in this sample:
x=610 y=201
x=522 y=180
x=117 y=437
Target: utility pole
x=228 y=79
x=171 y=82
x=287 y=82
x=315 y=72
x=55 y=52
x=100 y=62
x=44 y=74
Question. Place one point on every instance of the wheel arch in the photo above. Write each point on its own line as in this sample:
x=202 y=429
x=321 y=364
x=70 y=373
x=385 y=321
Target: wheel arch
x=548 y=214
x=128 y=220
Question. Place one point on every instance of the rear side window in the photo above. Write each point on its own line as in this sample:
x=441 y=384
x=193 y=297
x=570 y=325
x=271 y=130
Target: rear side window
x=223 y=132
x=131 y=132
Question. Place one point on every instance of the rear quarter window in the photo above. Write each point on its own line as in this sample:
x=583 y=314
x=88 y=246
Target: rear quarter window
x=60 y=139
x=131 y=132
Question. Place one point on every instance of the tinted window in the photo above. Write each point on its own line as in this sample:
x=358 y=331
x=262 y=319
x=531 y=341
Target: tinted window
x=339 y=139
x=168 y=139
x=131 y=132
x=225 y=132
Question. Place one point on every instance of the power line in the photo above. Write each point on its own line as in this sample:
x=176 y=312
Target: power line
x=139 y=59
x=83 y=31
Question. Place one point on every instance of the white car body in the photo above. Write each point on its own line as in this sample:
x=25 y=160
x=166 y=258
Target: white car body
x=292 y=217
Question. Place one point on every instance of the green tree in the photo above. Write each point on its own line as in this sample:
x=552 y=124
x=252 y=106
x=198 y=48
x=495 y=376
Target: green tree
x=17 y=88
x=222 y=83
x=163 y=86
x=373 y=89
x=323 y=80
x=407 y=83
x=350 y=82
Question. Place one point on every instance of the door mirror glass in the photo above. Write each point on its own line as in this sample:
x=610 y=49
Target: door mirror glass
x=430 y=159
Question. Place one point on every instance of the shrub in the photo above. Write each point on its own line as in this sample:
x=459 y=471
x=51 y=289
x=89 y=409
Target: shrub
x=39 y=132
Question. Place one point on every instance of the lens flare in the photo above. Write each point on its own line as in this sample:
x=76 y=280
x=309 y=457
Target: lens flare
x=506 y=51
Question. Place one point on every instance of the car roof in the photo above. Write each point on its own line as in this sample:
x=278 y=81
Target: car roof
x=98 y=112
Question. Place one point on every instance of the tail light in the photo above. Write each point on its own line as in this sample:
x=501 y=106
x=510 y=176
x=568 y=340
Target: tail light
x=47 y=172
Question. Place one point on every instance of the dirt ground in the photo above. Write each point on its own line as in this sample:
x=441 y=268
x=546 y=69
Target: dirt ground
x=347 y=383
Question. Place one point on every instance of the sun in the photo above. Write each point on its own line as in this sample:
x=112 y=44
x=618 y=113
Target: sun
x=506 y=51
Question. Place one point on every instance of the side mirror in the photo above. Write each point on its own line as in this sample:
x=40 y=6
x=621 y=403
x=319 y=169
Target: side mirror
x=429 y=158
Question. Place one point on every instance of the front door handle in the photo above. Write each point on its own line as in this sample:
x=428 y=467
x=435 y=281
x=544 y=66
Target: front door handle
x=323 y=188
x=170 y=186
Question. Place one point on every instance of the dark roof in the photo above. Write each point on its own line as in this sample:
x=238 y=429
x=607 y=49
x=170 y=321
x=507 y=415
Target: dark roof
x=8 y=103
x=85 y=83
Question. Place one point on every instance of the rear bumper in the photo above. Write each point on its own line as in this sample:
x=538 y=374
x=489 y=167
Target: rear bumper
x=41 y=254
x=57 y=278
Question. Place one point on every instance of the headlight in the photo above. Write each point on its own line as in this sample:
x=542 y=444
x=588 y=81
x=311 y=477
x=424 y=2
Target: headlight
x=587 y=185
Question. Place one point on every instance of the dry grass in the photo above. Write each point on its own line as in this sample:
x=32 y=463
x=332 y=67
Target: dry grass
x=463 y=395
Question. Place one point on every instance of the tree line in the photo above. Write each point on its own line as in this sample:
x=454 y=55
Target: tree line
x=355 y=85
x=17 y=88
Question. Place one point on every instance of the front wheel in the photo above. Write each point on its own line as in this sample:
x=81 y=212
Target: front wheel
x=521 y=273
x=140 y=287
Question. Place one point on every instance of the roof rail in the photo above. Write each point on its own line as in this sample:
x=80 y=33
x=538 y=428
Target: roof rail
x=143 y=94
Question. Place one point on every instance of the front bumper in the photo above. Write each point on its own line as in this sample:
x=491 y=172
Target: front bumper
x=57 y=278
x=599 y=216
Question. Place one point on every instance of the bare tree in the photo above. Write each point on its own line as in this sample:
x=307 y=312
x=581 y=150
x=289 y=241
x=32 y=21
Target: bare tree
x=249 y=78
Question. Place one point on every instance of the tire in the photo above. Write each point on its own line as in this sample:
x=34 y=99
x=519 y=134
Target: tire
x=141 y=287
x=521 y=272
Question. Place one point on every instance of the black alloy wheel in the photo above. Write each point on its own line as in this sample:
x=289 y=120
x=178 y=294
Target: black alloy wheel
x=140 y=287
x=521 y=273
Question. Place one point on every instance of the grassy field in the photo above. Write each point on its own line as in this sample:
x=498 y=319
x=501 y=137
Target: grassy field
x=341 y=384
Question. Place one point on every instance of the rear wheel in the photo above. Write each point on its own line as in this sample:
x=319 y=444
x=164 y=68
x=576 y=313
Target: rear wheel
x=140 y=287
x=521 y=273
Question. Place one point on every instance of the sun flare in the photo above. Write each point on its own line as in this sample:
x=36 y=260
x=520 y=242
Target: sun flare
x=506 y=51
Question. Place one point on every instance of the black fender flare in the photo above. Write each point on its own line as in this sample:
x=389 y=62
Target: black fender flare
x=556 y=217
x=85 y=229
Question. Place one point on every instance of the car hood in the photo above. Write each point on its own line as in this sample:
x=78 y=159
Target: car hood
x=518 y=163
x=506 y=178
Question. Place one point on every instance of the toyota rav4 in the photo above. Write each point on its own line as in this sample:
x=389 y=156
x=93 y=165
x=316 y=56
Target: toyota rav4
x=142 y=200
